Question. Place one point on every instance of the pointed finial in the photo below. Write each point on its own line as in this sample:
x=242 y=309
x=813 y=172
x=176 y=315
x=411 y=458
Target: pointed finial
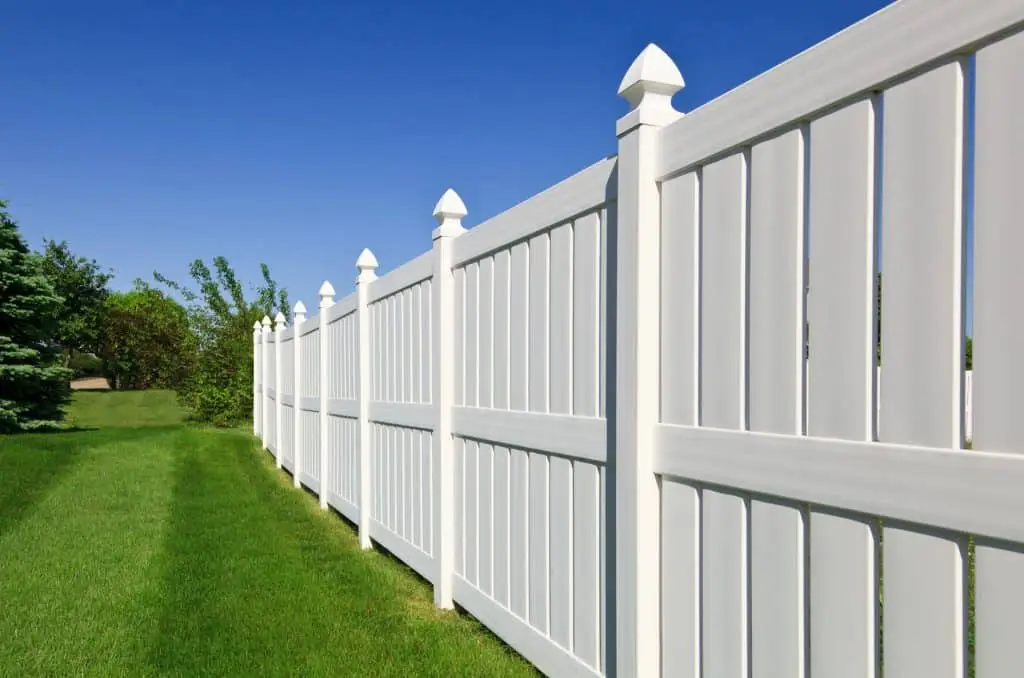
x=449 y=212
x=648 y=85
x=367 y=265
x=256 y=326
x=266 y=323
x=280 y=322
x=300 y=312
x=326 y=295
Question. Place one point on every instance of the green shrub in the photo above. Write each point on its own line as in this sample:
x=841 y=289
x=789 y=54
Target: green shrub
x=218 y=389
x=85 y=366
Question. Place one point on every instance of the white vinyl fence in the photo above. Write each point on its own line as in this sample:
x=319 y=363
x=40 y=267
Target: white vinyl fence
x=591 y=420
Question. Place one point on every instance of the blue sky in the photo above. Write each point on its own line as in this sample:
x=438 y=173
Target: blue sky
x=296 y=133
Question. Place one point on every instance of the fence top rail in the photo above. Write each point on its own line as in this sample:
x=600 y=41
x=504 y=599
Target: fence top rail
x=890 y=45
x=583 y=192
x=341 y=309
x=408 y=274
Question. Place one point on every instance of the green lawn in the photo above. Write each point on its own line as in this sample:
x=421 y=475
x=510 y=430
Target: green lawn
x=163 y=549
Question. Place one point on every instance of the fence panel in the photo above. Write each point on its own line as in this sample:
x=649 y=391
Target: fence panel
x=342 y=454
x=308 y=405
x=401 y=418
x=531 y=451
x=270 y=406
x=287 y=423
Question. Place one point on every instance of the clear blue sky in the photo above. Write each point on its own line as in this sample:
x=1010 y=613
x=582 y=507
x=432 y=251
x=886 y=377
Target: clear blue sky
x=296 y=133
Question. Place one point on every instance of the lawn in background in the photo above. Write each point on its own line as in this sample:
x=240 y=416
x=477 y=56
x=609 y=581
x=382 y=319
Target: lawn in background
x=138 y=545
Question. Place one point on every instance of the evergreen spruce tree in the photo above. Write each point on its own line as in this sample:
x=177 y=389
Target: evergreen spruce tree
x=33 y=386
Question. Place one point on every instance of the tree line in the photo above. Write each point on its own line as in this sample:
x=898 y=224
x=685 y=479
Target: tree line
x=60 y=319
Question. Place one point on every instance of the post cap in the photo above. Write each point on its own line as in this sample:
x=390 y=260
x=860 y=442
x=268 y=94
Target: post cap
x=266 y=321
x=280 y=321
x=326 y=294
x=648 y=85
x=449 y=212
x=256 y=326
x=367 y=265
x=300 y=310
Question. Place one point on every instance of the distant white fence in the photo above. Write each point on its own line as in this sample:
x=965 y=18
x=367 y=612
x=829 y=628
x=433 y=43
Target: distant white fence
x=590 y=420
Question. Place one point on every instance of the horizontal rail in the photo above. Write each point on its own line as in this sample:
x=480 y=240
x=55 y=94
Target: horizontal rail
x=585 y=191
x=310 y=326
x=411 y=415
x=408 y=274
x=288 y=399
x=541 y=650
x=340 y=309
x=961 y=490
x=559 y=434
x=882 y=48
x=406 y=552
x=342 y=506
x=310 y=482
x=343 y=407
x=309 y=403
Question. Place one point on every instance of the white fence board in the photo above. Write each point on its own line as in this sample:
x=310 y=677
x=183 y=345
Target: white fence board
x=724 y=584
x=776 y=288
x=539 y=323
x=681 y=579
x=680 y=298
x=777 y=583
x=586 y=561
x=485 y=347
x=921 y=335
x=561 y=574
x=539 y=542
x=519 y=537
x=485 y=506
x=502 y=523
x=723 y=239
x=502 y=318
x=519 y=341
x=585 y=302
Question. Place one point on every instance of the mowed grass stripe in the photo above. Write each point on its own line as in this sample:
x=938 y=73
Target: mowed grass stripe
x=79 y=576
x=176 y=550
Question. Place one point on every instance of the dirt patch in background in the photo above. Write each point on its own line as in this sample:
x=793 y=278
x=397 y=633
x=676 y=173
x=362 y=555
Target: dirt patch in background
x=90 y=384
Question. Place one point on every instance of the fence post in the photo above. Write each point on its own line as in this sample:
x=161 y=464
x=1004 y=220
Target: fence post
x=326 y=301
x=266 y=379
x=257 y=377
x=279 y=323
x=448 y=212
x=367 y=266
x=648 y=85
x=299 y=318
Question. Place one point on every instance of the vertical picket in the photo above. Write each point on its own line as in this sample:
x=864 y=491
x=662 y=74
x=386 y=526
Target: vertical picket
x=840 y=391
